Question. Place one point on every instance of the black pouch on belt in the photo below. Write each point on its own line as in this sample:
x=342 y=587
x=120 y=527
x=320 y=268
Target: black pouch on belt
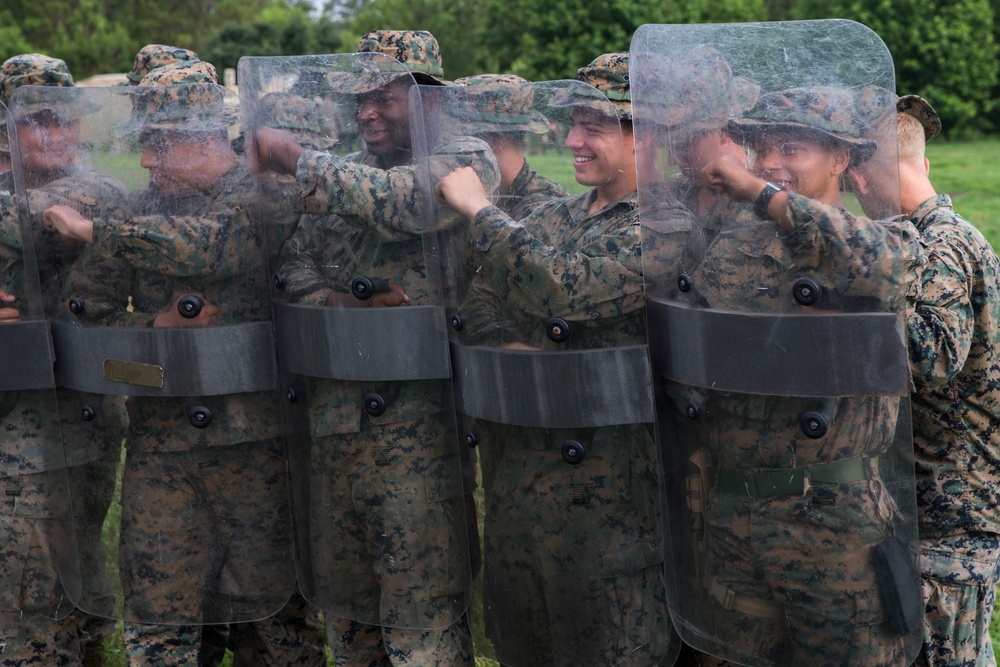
x=899 y=584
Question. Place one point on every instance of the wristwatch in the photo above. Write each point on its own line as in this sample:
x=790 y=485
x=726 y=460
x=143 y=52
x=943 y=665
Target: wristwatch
x=764 y=198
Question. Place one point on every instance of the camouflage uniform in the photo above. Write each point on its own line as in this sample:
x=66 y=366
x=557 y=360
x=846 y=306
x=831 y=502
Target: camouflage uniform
x=549 y=524
x=802 y=555
x=206 y=529
x=954 y=356
x=43 y=532
x=152 y=56
x=389 y=479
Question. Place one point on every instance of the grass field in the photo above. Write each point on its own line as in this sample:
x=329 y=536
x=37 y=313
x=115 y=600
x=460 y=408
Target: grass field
x=969 y=171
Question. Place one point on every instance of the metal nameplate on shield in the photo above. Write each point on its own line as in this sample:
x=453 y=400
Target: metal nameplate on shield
x=146 y=375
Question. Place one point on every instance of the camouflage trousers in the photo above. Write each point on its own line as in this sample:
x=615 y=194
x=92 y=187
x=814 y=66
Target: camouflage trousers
x=810 y=556
x=40 y=573
x=573 y=556
x=389 y=545
x=960 y=575
x=206 y=536
x=291 y=638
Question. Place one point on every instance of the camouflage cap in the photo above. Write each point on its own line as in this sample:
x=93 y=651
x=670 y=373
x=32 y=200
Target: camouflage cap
x=697 y=92
x=503 y=103
x=921 y=109
x=609 y=74
x=152 y=56
x=417 y=50
x=824 y=111
x=302 y=117
x=32 y=69
x=184 y=94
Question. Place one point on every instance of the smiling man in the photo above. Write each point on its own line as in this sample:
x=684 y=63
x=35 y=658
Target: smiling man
x=574 y=502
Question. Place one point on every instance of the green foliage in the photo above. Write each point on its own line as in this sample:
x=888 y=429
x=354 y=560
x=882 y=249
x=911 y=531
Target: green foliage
x=944 y=50
x=550 y=39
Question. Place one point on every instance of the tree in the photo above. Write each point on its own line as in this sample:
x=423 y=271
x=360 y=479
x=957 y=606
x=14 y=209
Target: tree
x=943 y=50
x=550 y=39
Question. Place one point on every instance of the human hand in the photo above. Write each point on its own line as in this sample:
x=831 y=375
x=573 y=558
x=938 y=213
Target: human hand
x=68 y=222
x=463 y=192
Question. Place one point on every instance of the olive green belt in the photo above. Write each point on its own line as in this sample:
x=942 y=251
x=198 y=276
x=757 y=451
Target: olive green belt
x=794 y=481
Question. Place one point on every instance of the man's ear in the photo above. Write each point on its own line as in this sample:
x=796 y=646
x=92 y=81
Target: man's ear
x=857 y=181
x=841 y=159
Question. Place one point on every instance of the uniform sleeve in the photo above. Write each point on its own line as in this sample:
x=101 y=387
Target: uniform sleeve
x=853 y=254
x=596 y=280
x=392 y=201
x=316 y=259
x=940 y=330
x=220 y=244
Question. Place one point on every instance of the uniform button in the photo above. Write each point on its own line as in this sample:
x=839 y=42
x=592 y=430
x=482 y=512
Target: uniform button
x=684 y=282
x=814 y=424
x=573 y=452
x=362 y=288
x=374 y=404
x=190 y=306
x=806 y=291
x=557 y=329
x=200 y=416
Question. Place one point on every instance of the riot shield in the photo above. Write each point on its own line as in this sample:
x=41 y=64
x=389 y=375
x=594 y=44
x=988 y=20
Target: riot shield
x=780 y=367
x=553 y=386
x=163 y=340
x=379 y=499
x=38 y=575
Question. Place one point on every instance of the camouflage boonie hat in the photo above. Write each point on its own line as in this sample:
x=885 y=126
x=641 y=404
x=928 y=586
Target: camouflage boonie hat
x=608 y=73
x=698 y=93
x=417 y=50
x=152 y=56
x=503 y=103
x=36 y=69
x=921 y=109
x=302 y=117
x=824 y=112
x=184 y=94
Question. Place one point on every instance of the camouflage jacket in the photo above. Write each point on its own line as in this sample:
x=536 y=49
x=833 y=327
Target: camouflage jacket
x=324 y=254
x=562 y=261
x=750 y=267
x=955 y=359
x=33 y=440
x=393 y=201
x=135 y=272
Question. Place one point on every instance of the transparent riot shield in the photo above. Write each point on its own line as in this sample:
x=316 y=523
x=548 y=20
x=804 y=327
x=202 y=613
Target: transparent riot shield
x=379 y=498
x=780 y=367
x=553 y=386
x=156 y=285
x=38 y=575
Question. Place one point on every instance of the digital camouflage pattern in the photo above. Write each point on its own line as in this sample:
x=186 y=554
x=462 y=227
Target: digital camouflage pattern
x=502 y=103
x=302 y=117
x=417 y=50
x=921 y=109
x=953 y=342
x=959 y=575
x=152 y=56
x=529 y=189
x=389 y=200
x=32 y=69
x=828 y=532
x=547 y=522
x=823 y=111
x=608 y=73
